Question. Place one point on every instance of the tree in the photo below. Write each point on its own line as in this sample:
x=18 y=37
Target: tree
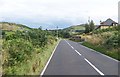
x=92 y=26
x=87 y=28
x=40 y=28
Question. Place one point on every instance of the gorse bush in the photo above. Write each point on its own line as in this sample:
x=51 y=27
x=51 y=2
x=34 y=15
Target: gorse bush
x=36 y=37
x=106 y=41
x=20 y=46
x=106 y=30
x=19 y=51
x=112 y=42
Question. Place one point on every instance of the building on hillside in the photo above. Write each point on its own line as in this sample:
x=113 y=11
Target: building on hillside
x=109 y=23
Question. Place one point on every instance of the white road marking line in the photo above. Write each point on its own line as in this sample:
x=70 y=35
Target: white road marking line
x=72 y=47
x=49 y=60
x=78 y=52
x=68 y=43
x=101 y=53
x=94 y=67
x=88 y=62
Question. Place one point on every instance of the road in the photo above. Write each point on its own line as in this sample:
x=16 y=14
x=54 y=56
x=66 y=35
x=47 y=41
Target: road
x=71 y=58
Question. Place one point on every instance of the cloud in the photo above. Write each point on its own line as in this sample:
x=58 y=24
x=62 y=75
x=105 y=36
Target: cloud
x=40 y=12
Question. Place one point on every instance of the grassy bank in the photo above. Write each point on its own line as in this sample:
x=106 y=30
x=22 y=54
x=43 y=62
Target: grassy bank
x=106 y=41
x=114 y=53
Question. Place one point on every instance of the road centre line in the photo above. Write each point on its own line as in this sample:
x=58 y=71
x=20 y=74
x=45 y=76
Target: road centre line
x=94 y=67
x=97 y=70
x=72 y=47
x=78 y=52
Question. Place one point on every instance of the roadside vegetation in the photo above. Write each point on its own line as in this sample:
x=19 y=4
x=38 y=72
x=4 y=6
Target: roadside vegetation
x=25 y=52
x=106 y=41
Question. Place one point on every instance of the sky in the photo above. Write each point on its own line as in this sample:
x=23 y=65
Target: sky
x=62 y=13
x=119 y=12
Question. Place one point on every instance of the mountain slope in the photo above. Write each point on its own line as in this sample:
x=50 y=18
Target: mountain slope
x=12 y=26
x=75 y=29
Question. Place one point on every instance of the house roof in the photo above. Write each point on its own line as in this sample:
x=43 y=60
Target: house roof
x=108 y=22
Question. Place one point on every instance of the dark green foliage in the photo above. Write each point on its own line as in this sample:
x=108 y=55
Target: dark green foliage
x=116 y=28
x=112 y=42
x=37 y=37
x=89 y=27
x=92 y=25
x=19 y=51
x=19 y=46
x=63 y=34
x=104 y=50
x=60 y=33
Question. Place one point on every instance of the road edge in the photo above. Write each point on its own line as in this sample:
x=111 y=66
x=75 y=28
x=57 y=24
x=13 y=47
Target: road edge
x=100 y=53
x=46 y=65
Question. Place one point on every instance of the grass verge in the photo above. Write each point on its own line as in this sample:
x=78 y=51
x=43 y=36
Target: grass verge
x=114 y=53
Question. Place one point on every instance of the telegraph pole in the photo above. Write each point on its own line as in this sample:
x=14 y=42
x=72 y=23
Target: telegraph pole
x=57 y=32
x=89 y=19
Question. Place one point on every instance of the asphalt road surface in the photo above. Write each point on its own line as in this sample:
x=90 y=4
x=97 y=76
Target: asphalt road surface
x=71 y=58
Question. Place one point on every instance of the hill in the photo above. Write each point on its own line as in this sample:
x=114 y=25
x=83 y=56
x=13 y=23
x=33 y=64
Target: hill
x=24 y=52
x=12 y=26
x=75 y=29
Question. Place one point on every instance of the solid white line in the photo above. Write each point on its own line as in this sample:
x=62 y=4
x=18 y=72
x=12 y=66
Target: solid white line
x=78 y=52
x=49 y=59
x=101 y=54
x=94 y=67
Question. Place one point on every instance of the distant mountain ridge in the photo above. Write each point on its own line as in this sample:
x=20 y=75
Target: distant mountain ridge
x=75 y=29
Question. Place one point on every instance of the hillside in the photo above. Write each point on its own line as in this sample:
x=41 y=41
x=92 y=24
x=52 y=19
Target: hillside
x=21 y=49
x=12 y=26
x=75 y=29
x=106 y=41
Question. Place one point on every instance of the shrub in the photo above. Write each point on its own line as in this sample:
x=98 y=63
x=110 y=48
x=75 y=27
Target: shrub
x=19 y=50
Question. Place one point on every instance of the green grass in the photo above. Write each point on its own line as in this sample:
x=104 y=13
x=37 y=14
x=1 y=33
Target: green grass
x=78 y=27
x=72 y=29
x=13 y=26
x=112 y=53
x=45 y=55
